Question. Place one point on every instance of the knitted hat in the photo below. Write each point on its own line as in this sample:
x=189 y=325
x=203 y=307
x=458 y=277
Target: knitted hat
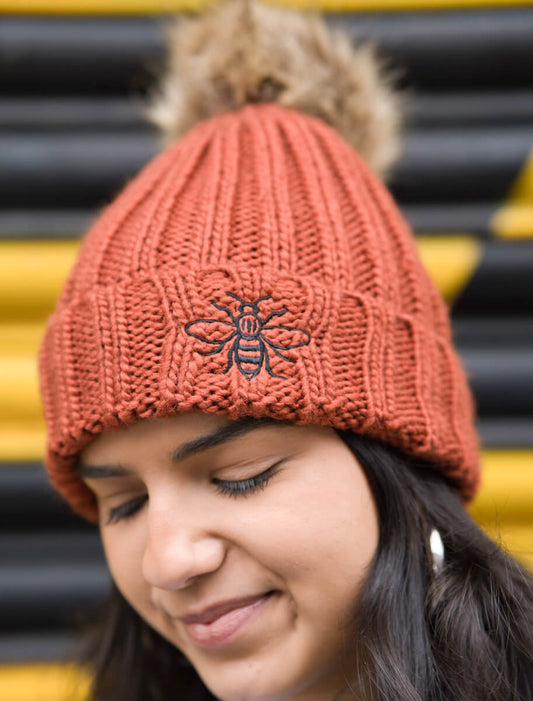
x=258 y=266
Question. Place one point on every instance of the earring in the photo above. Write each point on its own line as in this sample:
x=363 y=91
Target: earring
x=437 y=550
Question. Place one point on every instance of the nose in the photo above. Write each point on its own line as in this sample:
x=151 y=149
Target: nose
x=179 y=549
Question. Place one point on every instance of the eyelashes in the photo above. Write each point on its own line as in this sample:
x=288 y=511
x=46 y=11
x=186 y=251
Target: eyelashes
x=125 y=510
x=231 y=488
x=236 y=488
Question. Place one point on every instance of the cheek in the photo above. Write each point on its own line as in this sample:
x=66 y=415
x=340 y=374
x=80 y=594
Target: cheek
x=124 y=553
x=319 y=537
x=333 y=558
x=345 y=526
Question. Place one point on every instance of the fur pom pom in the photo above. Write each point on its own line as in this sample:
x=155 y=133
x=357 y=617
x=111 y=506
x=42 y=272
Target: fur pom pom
x=243 y=51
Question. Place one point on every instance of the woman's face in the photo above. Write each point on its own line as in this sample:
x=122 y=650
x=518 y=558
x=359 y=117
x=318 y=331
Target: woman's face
x=243 y=543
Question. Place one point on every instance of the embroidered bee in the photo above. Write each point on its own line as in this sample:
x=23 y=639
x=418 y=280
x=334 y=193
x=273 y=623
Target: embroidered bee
x=251 y=337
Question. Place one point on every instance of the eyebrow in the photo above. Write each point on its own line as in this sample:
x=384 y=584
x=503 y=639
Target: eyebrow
x=222 y=434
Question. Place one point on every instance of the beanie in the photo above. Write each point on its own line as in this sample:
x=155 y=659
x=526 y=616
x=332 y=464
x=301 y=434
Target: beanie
x=258 y=266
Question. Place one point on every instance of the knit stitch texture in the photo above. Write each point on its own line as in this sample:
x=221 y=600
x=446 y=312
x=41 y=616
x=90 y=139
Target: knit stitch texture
x=255 y=267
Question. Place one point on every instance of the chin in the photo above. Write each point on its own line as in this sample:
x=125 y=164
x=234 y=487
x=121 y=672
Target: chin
x=257 y=681
x=250 y=691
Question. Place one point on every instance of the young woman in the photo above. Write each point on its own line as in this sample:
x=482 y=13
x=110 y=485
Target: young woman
x=250 y=384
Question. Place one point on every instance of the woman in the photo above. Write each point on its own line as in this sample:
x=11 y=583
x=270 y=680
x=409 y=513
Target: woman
x=250 y=384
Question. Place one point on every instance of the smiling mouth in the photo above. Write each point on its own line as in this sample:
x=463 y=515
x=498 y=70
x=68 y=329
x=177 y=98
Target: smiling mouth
x=221 y=624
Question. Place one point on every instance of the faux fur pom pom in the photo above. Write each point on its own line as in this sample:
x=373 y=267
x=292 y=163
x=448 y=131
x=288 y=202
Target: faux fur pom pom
x=243 y=51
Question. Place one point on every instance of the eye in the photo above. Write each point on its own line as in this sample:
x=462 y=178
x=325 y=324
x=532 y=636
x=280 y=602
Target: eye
x=126 y=510
x=245 y=487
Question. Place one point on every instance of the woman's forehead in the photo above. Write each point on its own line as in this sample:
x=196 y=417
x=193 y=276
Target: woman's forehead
x=182 y=436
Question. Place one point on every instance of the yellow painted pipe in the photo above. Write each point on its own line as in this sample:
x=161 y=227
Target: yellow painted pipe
x=450 y=261
x=507 y=487
x=32 y=273
x=19 y=393
x=52 y=682
x=125 y=7
x=513 y=221
x=522 y=189
x=22 y=441
x=21 y=338
x=517 y=540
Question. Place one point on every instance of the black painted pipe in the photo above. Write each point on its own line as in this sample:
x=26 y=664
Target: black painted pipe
x=50 y=579
x=492 y=331
x=113 y=55
x=85 y=169
x=43 y=548
x=506 y=432
x=501 y=284
x=83 y=56
x=47 y=224
x=27 y=501
x=70 y=113
x=38 y=646
x=472 y=108
x=427 y=110
x=427 y=219
x=501 y=379
x=42 y=596
x=443 y=49
x=69 y=170
x=461 y=165
x=446 y=218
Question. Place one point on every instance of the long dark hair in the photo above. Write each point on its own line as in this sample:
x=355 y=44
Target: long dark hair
x=463 y=633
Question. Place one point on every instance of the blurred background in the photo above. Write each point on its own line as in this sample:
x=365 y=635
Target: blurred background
x=73 y=76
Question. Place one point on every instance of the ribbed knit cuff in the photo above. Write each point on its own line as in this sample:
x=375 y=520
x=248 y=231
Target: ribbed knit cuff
x=239 y=342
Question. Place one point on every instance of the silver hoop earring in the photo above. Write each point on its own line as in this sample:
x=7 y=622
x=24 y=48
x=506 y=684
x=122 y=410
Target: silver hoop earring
x=437 y=550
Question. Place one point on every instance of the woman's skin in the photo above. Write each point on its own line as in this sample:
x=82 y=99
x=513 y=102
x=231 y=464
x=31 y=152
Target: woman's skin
x=288 y=551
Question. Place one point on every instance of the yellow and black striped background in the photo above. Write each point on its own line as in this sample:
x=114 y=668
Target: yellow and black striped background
x=72 y=79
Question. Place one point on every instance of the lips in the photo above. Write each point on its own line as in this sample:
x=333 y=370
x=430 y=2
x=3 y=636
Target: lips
x=220 y=623
x=211 y=613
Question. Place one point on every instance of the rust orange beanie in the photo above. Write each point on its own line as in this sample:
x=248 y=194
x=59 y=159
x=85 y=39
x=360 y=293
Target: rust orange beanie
x=257 y=266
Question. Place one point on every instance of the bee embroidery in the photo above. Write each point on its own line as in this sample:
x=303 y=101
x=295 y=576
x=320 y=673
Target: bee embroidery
x=251 y=337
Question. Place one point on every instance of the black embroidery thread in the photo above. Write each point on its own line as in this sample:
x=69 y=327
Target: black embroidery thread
x=250 y=347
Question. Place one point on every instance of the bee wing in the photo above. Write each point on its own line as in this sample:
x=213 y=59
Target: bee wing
x=212 y=331
x=298 y=337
